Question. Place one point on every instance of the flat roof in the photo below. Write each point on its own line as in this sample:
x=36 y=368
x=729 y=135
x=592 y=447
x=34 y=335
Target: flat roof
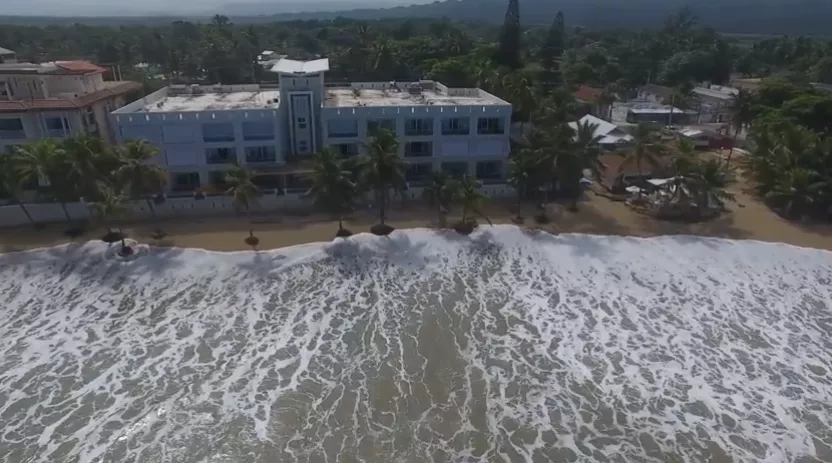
x=346 y=97
x=290 y=66
x=209 y=101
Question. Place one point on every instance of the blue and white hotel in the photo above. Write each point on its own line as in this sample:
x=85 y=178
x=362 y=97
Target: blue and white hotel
x=201 y=130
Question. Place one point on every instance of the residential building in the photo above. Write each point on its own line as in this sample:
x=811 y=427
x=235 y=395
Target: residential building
x=588 y=101
x=611 y=135
x=56 y=100
x=7 y=56
x=714 y=102
x=706 y=139
x=653 y=93
x=822 y=87
x=637 y=112
x=202 y=130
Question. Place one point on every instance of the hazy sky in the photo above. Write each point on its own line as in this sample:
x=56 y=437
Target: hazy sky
x=197 y=7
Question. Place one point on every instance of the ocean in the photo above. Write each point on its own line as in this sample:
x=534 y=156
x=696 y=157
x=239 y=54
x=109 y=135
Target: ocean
x=506 y=346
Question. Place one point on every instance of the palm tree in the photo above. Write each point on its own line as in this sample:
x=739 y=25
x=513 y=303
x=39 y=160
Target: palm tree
x=522 y=171
x=111 y=206
x=87 y=164
x=587 y=144
x=711 y=183
x=646 y=147
x=440 y=193
x=137 y=174
x=742 y=113
x=242 y=188
x=43 y=163
x=332 y=186
x=381 y=169
x=470 y=200
x=10 y=182
x=796 y=190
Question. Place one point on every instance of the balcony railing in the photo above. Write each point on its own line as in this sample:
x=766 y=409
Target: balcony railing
x=217 y=138
x=456 y=131
x=416 y=132
x=349 y=134
x=220 y=159
x=258 y=137
x=12 y=134
x=419 y=153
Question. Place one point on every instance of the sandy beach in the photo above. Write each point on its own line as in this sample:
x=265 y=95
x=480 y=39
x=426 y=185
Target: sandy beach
x=748 y=219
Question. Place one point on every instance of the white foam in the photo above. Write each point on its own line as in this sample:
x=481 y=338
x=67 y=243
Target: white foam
x=419 y=347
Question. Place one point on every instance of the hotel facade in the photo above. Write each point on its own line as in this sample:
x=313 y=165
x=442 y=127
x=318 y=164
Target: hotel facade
x=201 y=131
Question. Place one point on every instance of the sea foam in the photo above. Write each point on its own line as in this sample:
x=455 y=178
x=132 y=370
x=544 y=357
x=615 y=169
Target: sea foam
x=506 y=346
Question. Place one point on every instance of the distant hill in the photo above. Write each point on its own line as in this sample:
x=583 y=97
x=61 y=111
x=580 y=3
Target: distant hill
x=796 y=17
x=792 y=17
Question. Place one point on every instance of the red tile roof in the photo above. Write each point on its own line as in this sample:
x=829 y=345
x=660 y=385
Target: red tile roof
x=80 y=67
x=43 y=104
x=587 y=93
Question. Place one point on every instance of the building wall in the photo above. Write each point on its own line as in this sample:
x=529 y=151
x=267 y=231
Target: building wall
x=445 y=148
x=187 y=140
x=35 y=127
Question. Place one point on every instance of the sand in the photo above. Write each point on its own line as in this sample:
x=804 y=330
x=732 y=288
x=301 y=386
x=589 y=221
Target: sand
x=748 y=219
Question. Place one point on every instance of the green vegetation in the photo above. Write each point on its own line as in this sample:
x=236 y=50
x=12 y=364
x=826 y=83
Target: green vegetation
x=241 y=187
x=787 y=121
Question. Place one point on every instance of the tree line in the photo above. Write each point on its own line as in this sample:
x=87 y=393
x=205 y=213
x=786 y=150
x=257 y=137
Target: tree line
x=534 y=68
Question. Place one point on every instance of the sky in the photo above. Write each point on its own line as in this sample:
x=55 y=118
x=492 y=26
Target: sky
x=190 y=7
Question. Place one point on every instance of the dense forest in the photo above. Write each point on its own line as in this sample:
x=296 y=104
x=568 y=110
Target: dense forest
x=535 y=68
x=793 y=17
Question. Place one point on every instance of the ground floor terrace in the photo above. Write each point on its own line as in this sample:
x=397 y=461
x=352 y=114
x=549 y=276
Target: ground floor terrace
x=291 y=178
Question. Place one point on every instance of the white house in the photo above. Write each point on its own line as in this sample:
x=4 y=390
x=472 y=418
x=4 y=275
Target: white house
x=611 y=135
x=202 y=131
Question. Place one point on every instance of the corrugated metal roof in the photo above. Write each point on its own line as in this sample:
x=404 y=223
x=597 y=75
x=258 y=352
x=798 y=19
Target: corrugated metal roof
x=6 y=51
x=290 y=66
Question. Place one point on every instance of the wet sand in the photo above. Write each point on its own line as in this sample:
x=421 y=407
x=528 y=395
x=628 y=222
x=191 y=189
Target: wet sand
x=748 y=219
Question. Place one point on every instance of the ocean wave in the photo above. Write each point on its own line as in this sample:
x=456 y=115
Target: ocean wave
x=508 y=346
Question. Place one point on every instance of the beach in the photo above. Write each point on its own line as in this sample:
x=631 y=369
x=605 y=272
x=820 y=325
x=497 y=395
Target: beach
x=748 y=219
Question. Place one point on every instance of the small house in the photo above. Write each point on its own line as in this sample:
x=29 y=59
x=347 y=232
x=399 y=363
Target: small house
x=611 y=135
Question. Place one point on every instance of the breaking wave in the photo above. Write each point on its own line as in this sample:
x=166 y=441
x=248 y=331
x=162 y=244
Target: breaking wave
x=504 y=347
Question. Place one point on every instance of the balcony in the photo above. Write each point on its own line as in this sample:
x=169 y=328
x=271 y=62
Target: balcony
x=418 y=150
x=220 y=156
x=455 y=126
x=12 y=134
x=418 y=127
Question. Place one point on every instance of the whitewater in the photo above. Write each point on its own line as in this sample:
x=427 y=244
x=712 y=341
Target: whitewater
x=506 y=346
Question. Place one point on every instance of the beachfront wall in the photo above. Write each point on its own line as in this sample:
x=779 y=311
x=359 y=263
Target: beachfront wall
x=13 y=215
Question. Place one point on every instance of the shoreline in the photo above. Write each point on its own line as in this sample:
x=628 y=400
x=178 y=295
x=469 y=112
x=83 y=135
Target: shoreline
x=748 y=219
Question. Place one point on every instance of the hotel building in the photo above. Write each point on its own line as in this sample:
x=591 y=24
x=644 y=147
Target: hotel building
x=201 y=131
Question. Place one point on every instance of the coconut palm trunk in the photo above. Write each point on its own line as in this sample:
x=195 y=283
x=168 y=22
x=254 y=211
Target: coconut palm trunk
x=382 y=205
x=149 y=202
x=26 y=211
x=250 y=223
x=66 y=212
x=340 y=223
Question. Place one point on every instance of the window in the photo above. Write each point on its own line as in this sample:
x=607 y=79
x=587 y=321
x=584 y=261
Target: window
x=489 y=170
x=89 y=117
x=217 y=178
x=5 y=90
x=423 y=126
x=301 y=122
x=303 y=147
x=418 y=173
x=11 y=129
x=418 y=149
x=455 y=169
x=187 y=181
x=255 y=154
x=218 y=132
x=56 y=125
x=374 y=124
x=257 y=131
x=456 y=126
x=490 y=125
x=347 y=149
x=220 y=155
x=342 y=128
